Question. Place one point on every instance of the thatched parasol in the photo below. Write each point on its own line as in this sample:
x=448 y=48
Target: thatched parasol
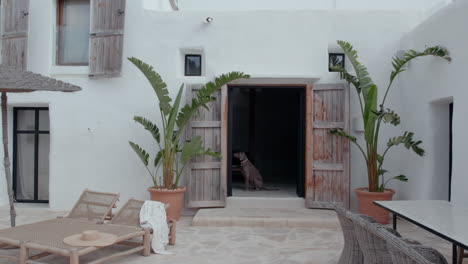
x=14 y=80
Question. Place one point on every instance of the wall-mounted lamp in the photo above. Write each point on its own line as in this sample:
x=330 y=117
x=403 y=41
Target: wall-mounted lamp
x=208 y=20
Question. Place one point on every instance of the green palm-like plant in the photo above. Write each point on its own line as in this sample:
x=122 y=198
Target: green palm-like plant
x=173 y=155
x=374 y=114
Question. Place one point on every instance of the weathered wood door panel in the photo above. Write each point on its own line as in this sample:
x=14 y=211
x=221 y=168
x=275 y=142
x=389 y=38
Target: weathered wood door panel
x=106 y=38
x=327 y=156
x=203 y=174
x=15 y=25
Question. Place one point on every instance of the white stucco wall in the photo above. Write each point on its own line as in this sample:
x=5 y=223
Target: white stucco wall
x=361 y=5
x=427 y=88
x=90 y=129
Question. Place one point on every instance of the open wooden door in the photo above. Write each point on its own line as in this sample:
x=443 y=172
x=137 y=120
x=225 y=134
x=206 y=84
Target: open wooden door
x=205 y=180
x=327 y=156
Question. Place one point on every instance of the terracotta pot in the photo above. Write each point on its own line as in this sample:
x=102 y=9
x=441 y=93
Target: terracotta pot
x=174 y=198
x=366 y=206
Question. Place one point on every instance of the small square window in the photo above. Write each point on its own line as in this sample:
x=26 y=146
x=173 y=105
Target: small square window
x=193 y=65
x=336 y=59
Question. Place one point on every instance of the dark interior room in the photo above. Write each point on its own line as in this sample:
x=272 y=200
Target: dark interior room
x=267 y=123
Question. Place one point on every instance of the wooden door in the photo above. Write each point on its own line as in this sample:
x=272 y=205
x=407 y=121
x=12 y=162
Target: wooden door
x=206 y=181
x=106 y=38
x=15 y=24
x=327 y=156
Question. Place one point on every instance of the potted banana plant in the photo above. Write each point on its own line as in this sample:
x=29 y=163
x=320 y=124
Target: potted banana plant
x=172 y=155
x=375 y=115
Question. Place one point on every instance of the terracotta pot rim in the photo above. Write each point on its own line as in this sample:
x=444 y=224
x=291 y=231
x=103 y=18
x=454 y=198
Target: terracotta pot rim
x=178 y=190
x=365 y=190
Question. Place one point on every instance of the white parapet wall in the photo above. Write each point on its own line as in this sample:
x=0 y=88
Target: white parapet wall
x=361 y=5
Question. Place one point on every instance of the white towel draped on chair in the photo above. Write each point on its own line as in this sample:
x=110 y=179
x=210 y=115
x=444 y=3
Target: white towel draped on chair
x=153 y=215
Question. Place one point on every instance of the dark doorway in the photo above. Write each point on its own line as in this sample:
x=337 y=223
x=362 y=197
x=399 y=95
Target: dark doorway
x=268 y=124
x=31 y=154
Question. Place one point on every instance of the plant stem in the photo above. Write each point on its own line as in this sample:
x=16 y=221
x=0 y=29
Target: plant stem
x=360 y=148
x=179 y=174
x=371 y=170
x=386 y=93
x=149 y=171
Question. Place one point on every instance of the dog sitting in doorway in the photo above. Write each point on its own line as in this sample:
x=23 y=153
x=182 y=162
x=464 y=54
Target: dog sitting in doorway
x=252 y=177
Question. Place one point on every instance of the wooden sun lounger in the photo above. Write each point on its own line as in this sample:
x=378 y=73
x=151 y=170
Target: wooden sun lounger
x=92 y=206
x=47 y=237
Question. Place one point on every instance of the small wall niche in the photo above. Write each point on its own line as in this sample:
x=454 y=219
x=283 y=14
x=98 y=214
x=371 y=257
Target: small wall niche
x=192 y=62
x=335 y=60
x=336 y=57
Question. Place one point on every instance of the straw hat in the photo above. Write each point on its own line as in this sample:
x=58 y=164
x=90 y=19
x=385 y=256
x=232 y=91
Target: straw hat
x=91 y=238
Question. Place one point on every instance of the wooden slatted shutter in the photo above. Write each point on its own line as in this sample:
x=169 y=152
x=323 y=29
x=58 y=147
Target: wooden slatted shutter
x=106 y=38
x=327 y=178
x=204 y=179
x=15 y=24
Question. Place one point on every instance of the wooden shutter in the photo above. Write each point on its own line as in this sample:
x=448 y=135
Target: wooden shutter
x=15 y=20
x=106 y=38
x=206 y=186
x=327 y=169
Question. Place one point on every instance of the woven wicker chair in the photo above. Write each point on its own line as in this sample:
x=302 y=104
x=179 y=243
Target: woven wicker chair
x=351 y=253
x=129 y=215
x=373 y=247
x=93 y=206
x=373 y=238
x=403 y=253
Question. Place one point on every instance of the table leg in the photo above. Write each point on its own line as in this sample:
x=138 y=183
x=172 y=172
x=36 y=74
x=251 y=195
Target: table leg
x=24 y=254
x=394 y=222
x=147 y=242
x=454 y=253
x=74 y=258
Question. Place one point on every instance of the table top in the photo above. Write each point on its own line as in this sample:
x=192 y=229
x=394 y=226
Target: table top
x=445 y=219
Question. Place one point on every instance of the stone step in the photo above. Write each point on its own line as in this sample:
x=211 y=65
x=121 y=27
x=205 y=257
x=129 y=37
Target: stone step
x=266 y=217
x=265 y=202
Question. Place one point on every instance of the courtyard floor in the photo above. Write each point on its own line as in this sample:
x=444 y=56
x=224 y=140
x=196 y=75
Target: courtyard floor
x=235 y=244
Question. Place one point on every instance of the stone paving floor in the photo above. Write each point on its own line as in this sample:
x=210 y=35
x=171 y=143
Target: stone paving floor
x=231 y=245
